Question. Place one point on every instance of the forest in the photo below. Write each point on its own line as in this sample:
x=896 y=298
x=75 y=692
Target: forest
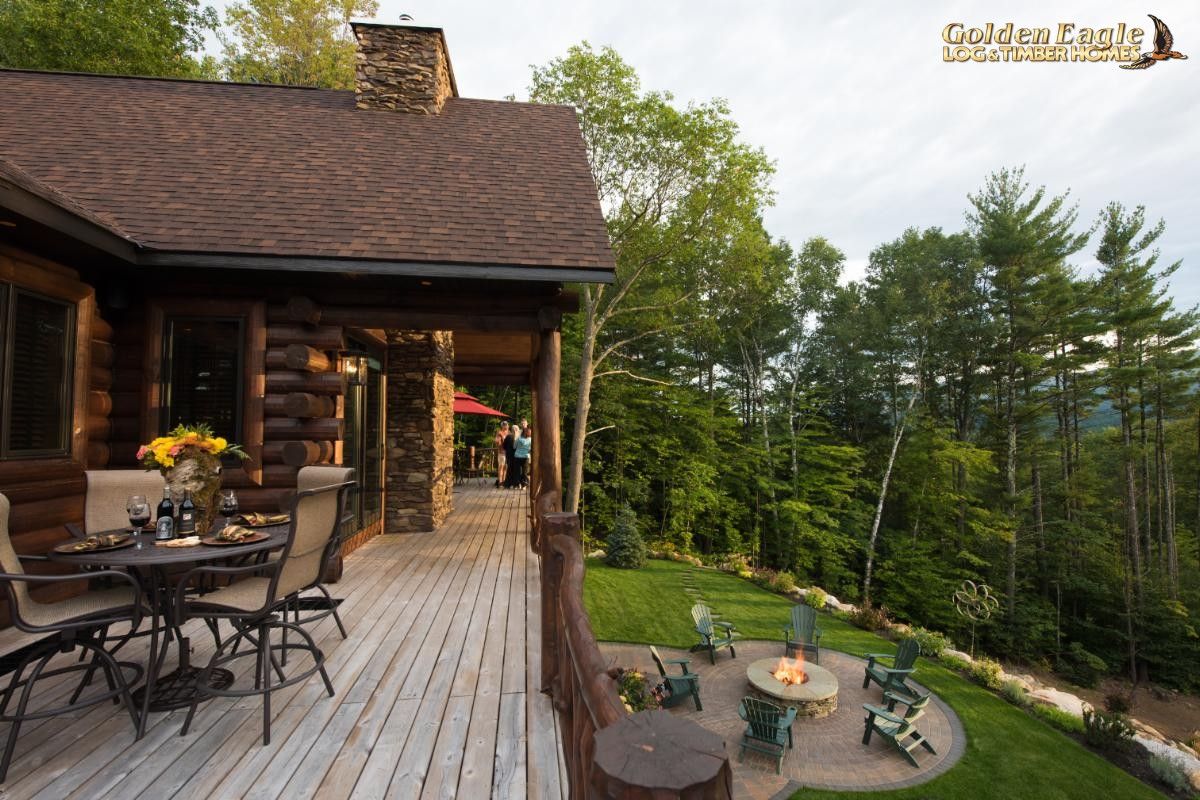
x=975 y=407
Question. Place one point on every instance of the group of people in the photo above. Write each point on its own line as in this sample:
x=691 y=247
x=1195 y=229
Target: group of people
x=513 y=444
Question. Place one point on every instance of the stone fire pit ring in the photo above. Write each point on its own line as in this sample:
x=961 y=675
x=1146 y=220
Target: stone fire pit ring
x=815 y=698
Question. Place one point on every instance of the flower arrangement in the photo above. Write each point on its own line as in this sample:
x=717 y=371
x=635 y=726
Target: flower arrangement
x=182 y=442
x=189 y=457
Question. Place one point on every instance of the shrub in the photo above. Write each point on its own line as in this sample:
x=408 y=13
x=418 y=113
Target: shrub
x=1117 y=703
x=1105 y=730
x=783 y=582
x=870 y=618
x=636 y=692
x=816 y=597
x=986 y=672
x=1015 y=693
x=626 y=549
x=1170 y=774
x=844 y=616
x=1080 y=666
x=954 y=662
x=931 y=643
x=745 y=573
x=1060 y=719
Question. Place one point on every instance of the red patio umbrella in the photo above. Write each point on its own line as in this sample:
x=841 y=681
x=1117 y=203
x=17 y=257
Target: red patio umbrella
x=465 y=404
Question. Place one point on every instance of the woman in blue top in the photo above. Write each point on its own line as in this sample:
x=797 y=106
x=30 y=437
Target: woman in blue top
x=521 y=446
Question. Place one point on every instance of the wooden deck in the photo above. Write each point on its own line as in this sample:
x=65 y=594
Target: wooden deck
x=437 y=691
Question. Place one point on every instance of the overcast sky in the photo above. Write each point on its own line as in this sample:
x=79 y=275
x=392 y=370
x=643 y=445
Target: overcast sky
x=870 y=130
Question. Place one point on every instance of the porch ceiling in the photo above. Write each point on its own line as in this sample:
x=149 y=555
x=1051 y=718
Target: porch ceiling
x=482 y=358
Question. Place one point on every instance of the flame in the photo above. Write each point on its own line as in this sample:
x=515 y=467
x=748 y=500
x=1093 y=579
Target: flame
x=790 y=672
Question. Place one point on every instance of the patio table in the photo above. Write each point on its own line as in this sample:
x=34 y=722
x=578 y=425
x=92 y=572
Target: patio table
x=152 y=564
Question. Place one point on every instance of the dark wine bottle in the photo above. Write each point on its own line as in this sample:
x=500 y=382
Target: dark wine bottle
x=187 y=515
x=165 y=507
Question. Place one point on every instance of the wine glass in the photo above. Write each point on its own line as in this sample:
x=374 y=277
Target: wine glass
x=229 y=505
x=139 y=512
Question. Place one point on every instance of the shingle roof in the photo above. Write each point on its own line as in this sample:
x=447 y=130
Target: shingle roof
x=199 y=167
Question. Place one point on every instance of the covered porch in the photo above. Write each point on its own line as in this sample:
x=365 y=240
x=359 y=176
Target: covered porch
x=438 y=690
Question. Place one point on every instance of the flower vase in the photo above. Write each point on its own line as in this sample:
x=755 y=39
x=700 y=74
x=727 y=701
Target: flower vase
x=199 y=474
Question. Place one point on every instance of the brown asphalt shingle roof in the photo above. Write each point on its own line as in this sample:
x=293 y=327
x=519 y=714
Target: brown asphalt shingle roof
x=183 y=166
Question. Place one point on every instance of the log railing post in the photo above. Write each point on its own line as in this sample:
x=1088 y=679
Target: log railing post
x=555 y=524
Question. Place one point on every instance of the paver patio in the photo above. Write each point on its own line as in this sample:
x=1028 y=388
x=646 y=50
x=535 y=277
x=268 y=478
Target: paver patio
x=828 y=752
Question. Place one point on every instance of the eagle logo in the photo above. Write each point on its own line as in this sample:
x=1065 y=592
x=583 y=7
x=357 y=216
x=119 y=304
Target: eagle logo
x=1163 y=40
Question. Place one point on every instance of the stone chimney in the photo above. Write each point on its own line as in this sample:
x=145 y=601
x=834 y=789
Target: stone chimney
x=402 y=68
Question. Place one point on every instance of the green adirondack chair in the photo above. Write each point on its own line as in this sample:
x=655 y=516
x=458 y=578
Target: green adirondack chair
x=682 y=686
x=803 y=634
x=713 y=634
x=891 y=679
x=895 y=728
x=768 y=729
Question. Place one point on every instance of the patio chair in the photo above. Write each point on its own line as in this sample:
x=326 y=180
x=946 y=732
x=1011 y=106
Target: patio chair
x=714 y=635
x=768 y=729
x=891 y=679
x=106 y=493
x=682 y=686
x=256 y=604
x=74 y=622
x=895 y=728
x=803 y=634
x=314 y=478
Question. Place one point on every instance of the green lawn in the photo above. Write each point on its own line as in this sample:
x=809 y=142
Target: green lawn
x=1009 y=753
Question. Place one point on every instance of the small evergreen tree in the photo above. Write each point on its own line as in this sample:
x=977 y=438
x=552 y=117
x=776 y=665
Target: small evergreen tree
x=626 y=549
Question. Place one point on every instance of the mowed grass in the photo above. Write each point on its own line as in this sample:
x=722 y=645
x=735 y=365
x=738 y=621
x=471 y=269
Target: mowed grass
x=1010 y=754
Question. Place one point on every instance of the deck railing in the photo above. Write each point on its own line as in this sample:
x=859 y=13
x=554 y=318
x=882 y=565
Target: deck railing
x=609 y=752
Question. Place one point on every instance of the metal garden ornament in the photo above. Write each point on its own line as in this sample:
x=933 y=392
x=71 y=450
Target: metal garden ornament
x=976 y=603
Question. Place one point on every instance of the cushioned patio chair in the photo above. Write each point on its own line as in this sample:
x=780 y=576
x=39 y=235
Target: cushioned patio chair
x=74 y=622
x=255 y=603
x=107 y=491
x=714 y=634
x=896 y=728
x=681 y=686
x=892 y=678
x=768 y=729
x=803 y=634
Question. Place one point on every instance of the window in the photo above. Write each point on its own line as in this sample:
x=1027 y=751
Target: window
x=202 y=376
x=37 y=353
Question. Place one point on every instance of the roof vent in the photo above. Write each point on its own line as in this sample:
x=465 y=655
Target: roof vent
x=402 y=68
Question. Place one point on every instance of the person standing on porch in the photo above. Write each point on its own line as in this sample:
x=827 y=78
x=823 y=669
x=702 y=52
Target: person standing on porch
x=521 y=448
x=498 y=444
x=510 y=442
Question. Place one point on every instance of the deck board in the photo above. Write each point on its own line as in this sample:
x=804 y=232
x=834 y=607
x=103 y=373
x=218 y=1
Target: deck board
x=437 y=690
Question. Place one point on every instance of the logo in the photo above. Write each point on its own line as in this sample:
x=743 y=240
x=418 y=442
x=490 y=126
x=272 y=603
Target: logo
x=1067 y=41
x=1163 y=42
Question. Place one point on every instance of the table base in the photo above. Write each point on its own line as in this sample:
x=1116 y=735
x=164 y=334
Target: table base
x=177 y=689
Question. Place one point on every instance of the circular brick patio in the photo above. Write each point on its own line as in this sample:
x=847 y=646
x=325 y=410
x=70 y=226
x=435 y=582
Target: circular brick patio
x=828 y=752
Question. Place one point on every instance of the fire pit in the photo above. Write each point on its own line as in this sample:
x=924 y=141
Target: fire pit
x=810 y=688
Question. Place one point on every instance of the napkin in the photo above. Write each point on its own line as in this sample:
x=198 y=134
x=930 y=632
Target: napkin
x=95 y=542
x=189 y=541
x=264 y=519
x=233 y=533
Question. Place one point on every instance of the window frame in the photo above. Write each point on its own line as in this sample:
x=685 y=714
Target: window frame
x=252 y=313
x=55 y=282
x=168 y=345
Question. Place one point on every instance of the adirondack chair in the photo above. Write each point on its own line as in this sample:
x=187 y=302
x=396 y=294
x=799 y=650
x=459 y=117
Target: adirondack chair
x=682 y=686
x=891 y=679
x=768 y=729
x=710 y=638
x=803 y=634
x=895 y=728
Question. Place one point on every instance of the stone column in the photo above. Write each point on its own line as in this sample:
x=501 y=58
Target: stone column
x=420 y=430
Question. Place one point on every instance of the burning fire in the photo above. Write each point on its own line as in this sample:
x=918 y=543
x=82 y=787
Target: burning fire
x=790 y=672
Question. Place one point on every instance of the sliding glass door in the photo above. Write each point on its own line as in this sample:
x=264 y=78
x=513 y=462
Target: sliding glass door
x=364 y=433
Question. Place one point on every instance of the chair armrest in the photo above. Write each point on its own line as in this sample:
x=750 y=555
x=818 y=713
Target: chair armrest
x=728 y=626
x=874 y=656
x=43 y=580
x=881 y=712
x=32 y=557
x=677 y=661
x=75 y=530
x=817 y=633
x=787 y=633
x=790 y=717
x=894 y=671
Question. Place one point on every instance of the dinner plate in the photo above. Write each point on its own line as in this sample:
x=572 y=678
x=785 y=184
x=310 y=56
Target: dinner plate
x=70 y=548
x=258 y=537
x=283 y=521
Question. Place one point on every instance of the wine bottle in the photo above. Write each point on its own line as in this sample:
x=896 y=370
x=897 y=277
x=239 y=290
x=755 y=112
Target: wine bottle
x=187 y=515
x=165 y=507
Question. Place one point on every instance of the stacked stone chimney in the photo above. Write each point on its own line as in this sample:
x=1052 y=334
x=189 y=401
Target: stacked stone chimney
x=402 y=68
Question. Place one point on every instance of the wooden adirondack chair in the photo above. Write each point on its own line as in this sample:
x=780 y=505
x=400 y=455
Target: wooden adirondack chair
x=768 y=729
x=710 y=638
x=895 y=728
x=803 y=634
x=682 y=686
x=891 y=679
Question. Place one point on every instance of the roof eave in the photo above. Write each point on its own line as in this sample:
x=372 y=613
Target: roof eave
x=416 y=269
x=33 y=206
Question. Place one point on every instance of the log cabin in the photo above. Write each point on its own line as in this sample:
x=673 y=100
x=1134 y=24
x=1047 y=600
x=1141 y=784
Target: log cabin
x=309 y=271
